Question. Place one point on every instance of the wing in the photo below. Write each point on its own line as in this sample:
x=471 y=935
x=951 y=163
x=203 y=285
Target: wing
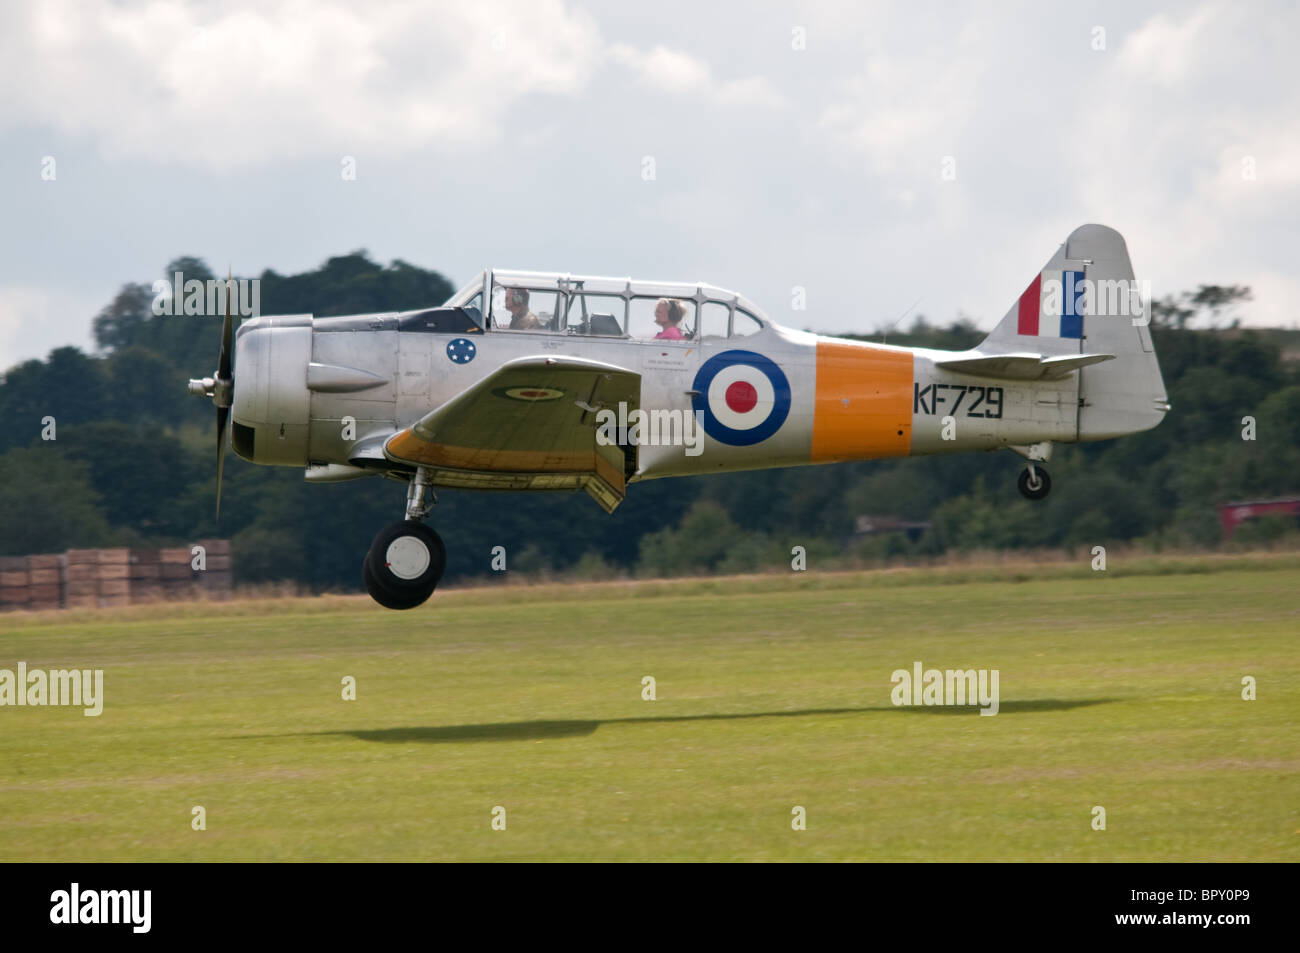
x=530 y=425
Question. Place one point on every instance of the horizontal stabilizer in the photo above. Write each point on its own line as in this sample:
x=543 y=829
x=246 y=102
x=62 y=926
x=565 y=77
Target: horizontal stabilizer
x=1021 y=367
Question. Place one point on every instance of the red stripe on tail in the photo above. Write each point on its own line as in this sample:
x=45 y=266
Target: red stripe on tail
x=1027 y=320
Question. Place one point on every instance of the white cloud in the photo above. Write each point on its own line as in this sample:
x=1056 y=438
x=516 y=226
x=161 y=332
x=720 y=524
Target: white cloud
x=223 y=88
x=33 y=321
x=1048 y=134
x=908 y=109
x=843 y=176
x=227 y=88
x=673 y=71
x=1273 y=293
x=1191 y=96
x=1168 y=50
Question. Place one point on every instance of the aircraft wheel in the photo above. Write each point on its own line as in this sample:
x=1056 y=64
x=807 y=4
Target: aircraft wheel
x=387 y=599
x=1035 y=485
x=404 y=565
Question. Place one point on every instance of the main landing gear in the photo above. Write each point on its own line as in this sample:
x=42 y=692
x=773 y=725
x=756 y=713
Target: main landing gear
x=1034 y=482
x=406 y=560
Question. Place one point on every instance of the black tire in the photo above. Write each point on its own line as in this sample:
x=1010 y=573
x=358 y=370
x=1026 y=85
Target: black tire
x=1038 y=491
x=404 y=565
x=389 y=600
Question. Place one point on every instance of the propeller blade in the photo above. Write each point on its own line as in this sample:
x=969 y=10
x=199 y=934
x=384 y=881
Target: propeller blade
x=223 y=415
x=223 y=363
x=223 y=389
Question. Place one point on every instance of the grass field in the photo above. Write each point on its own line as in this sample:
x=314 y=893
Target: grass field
x=1120 y=689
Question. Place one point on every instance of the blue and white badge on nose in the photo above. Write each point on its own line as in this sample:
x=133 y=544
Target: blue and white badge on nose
x=461 y=350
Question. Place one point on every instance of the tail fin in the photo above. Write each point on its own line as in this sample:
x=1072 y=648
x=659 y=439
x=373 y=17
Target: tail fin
x=1086 y=301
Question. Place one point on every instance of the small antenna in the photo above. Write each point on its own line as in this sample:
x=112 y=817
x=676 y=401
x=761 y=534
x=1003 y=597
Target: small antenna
x=884 y=335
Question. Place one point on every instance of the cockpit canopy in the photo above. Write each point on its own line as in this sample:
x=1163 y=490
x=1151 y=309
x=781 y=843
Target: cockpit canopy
x=546 y=302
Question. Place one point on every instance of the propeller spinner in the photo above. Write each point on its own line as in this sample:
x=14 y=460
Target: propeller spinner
x=221 y=388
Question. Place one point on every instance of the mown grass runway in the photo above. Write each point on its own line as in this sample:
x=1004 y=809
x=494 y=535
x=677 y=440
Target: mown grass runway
x=1119 y=689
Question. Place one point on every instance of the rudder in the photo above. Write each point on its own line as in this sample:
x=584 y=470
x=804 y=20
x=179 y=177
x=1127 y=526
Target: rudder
x=1126 y=395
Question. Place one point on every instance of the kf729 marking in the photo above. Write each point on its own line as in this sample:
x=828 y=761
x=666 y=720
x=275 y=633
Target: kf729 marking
x=513 y=382
x=984 y=401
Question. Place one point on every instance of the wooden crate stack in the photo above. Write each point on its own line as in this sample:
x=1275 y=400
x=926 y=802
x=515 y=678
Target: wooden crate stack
x=31 y=582
x=13 y=582
x=81 y=579
x=95 y=578
x=175 y=576
x=145 y=576
x=178 y=578
x=45 y=581
x=216 y=579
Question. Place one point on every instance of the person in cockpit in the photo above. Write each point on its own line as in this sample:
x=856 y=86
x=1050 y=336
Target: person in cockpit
x=521 y=319
x=668 y=315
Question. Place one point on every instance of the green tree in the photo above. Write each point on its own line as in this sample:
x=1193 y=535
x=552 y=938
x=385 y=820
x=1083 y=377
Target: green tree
x=48 y=503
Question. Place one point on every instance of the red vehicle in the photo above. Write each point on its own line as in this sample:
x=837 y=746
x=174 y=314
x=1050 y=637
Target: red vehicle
x=1233 y=515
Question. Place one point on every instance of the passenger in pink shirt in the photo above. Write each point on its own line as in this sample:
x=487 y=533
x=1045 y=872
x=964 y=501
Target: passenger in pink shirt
x=668 y=315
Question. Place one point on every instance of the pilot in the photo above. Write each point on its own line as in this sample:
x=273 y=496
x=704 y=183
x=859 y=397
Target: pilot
x=521 y=319
x=668 y=315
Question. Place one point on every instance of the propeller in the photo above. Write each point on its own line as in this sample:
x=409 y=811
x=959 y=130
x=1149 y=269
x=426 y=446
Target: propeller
x=221 y=388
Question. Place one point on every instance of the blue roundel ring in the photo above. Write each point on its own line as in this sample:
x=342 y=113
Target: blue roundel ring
x=780 y=398
x=461 y=350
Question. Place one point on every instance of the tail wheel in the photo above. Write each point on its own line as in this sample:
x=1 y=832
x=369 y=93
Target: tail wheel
x=1034 y=483
x=404 y=565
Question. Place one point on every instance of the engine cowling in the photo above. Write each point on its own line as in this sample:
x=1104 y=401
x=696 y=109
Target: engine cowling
x=272 y=405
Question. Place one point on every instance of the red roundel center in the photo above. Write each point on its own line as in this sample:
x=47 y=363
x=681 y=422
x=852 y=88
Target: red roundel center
x=741 y=397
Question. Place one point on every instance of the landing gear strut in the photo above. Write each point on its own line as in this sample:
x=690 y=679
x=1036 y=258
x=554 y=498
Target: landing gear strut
x=407 y=559
x=1034 y=482
x=417 y=506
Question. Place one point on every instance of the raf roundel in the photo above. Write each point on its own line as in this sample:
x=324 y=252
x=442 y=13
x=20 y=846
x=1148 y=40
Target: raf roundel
x=744 y=397
x=461 y=350
x=529 y=394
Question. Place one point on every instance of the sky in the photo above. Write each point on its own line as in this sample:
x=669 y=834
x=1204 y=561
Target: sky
x=872 y=161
